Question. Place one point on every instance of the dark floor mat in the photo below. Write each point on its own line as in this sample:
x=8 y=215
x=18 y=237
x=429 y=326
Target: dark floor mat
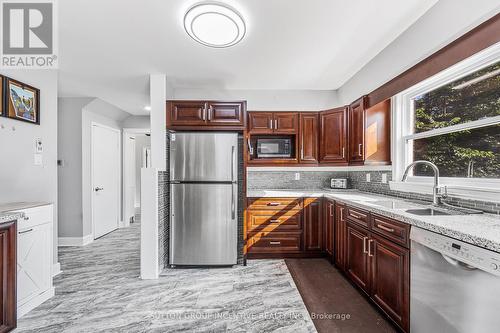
x=334 y=304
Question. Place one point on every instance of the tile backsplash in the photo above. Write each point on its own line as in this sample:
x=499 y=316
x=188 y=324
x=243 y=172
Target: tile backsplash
x=313 y=180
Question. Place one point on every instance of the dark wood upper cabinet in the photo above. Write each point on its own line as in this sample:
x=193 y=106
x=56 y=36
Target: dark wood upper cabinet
x=340 y=236
x=308 y=141
x=333 y=136
x=357 y=268
x=286 y=122
x=206 y=115
x=226 y=113
x=313 y=225
x=329 y=222
x=8 y=280
x=369 y=133
x=390 y=279
x=260 y=122
x=356 y=130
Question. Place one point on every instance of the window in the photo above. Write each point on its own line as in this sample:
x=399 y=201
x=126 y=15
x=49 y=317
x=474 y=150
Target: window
x=453 y=120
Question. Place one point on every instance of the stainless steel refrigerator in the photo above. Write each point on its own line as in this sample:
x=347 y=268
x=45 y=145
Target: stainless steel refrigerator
x=203 y=198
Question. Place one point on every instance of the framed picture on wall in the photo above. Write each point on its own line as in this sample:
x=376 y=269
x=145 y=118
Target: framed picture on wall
x=22 y=101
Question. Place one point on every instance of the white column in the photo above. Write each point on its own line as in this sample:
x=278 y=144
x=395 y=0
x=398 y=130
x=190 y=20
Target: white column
x=149 y=223
x=158 y=96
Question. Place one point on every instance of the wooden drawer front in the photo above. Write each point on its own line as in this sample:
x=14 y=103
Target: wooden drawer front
x=35 y=216
x=274 y=203
x=187 y=113
x=225 y=114
x=274 y=243
x=358 y=216
x=391 y=229
x=274 y=220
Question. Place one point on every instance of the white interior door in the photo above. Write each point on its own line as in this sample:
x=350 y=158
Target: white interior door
x=105 y=179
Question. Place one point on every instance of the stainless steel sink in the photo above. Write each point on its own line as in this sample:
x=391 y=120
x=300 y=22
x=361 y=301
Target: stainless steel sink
x=393 y=204
x=431 y=212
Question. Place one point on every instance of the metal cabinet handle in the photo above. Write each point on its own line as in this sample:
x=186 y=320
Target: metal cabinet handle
x=25 y=231
x=209 y=112
x=359 y=149
x=380 y=226
x=276 y=124
x=275 y=243
x=204 y=115
x=302 y=153
x=270 y=124
x=250 y=149
x=26 y=218
x=370 y=254
x=343 y=152
x=364 y=244
x=341 y=214
x=274 y=221
x=331 y=210
x=356 y=216
x=273 y=203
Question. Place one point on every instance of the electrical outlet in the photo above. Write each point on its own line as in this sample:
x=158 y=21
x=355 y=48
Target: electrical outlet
x=297 y=176
x=384 y=178
x=368 y=178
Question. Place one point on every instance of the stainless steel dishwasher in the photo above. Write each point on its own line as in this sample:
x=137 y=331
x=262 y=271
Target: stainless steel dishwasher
x=454 y=286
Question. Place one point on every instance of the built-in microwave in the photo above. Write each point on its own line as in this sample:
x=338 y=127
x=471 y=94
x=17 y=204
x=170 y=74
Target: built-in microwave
x=274 y=148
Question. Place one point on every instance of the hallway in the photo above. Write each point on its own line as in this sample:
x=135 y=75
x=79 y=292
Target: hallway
x=99 y=291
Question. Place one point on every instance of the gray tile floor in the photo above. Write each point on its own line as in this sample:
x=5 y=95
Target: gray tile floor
x=99 y=291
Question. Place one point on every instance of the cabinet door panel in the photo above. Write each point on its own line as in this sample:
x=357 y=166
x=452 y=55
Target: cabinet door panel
x=340 y=236
x=8 y=311
x=356 y=256
x=33 y=262
x=390 y=279
x=313 y=226
x=225 y=114
x=333 y=136
x=328 y=216
x=260 y=122
x=286 y=122
x=187 y=113
x=357 y=131
x=309 y=138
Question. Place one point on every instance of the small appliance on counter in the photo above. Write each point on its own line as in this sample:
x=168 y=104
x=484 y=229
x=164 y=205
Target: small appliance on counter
x=338 y=183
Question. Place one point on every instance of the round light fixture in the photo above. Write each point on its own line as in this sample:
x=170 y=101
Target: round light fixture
x=214 y=24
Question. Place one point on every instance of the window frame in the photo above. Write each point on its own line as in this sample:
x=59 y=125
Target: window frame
x=403 y=132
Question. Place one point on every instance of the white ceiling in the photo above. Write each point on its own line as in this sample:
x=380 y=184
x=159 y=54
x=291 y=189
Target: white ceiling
x=109 y=48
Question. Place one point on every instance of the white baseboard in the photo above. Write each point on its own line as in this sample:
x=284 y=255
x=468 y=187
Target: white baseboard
x=75 y=241
x=56 y=269
x=34 y=302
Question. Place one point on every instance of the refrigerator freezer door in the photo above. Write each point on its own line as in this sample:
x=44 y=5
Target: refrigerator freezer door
x=203 y=224
x=203 y=157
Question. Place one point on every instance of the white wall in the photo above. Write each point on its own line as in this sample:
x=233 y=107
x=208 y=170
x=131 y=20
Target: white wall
x=137 y=122
x=267 y=100
x=69 y=174
x=442 y=24
x=20 y=179
x=105 y=114
x=141 y=142
x=158 y=96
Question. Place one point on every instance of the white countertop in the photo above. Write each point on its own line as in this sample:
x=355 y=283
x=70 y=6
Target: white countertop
x=479 y=229
x=11 y=206
x=7 y=217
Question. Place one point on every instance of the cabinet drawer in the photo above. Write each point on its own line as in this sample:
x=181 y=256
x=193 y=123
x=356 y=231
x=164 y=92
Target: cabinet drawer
x=35 y=216
x=391 y=229
x=358 y=216
x=269 y=220
x=274 y=203
x=274 y=243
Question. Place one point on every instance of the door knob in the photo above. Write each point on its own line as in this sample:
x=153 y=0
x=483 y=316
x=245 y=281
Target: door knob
x=97 y=189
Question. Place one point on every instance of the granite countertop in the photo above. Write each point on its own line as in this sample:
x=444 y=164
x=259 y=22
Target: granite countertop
x=11 y=206
x=479 y=229
x=7 y=217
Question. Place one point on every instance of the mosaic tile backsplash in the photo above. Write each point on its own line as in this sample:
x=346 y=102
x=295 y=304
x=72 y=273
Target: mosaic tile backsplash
x=313 y=180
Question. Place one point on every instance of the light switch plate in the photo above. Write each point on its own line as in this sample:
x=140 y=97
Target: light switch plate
x=368 y=178
x=384 y=178
x=38 y=160
x=297 y=176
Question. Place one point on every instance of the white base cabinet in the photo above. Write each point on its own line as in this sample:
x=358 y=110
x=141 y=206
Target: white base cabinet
x=34 y=258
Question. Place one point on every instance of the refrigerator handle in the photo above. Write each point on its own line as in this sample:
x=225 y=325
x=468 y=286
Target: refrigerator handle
x=233 y=164
x=233 y=206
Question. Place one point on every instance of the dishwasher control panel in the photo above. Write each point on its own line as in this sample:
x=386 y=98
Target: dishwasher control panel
x=471 y=255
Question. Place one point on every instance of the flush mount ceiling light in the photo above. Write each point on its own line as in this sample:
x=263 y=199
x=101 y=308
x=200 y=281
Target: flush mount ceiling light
x=214 y=24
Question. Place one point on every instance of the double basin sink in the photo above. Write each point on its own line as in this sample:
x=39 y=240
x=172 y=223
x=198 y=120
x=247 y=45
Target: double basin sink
x=430 y=210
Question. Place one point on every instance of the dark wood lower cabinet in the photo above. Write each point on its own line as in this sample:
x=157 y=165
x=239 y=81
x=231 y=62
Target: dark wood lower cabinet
x=313 y=225
x=329 y=221
x=390 y=279
x=8 y=305
x=357 y=268
x=340 y=230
